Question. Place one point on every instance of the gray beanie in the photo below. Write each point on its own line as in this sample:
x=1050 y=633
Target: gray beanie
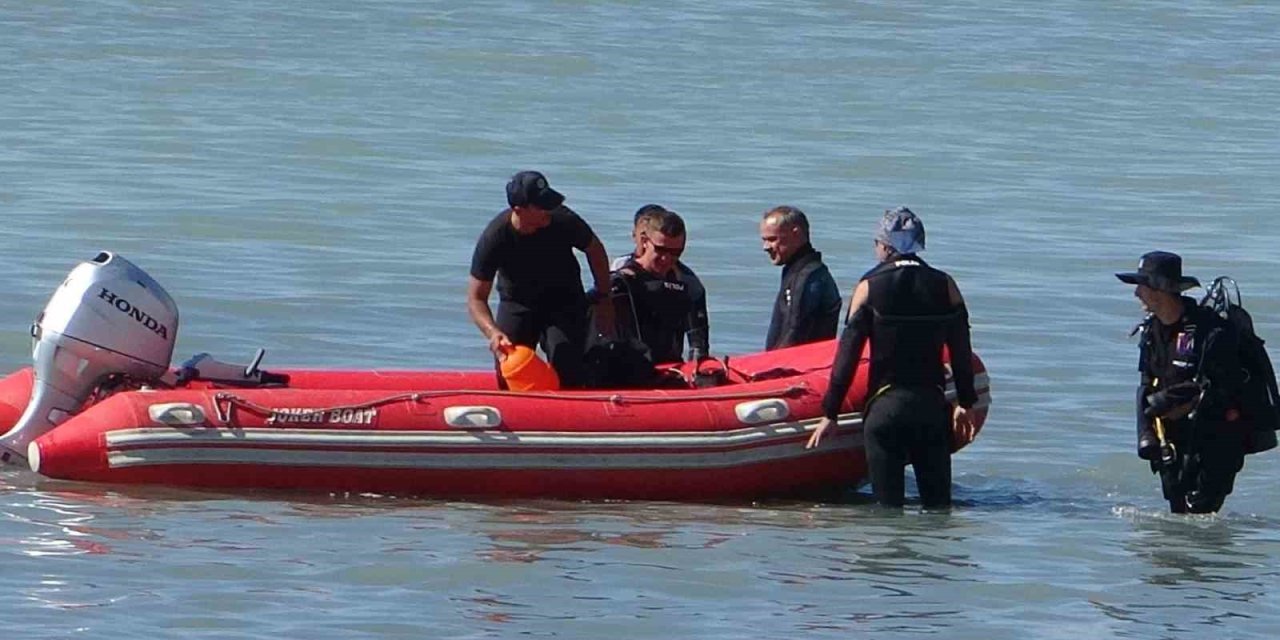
x=902 y=230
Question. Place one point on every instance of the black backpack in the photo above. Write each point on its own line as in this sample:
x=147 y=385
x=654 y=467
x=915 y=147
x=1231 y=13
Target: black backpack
x=1259 y=399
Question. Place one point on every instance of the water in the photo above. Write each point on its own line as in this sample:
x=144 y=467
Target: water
x=310 y=177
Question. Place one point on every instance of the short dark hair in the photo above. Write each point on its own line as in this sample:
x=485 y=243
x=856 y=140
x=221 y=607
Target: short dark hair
x=666 y=222
x=789 y=216
x=646 y=210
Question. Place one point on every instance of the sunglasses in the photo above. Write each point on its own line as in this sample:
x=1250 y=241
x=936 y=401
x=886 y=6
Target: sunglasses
x=664 y=250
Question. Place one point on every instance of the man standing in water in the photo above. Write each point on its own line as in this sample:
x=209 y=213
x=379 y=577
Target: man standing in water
x=1188 y=427
x=807 y=308
x=529 y=248
x=908 y=310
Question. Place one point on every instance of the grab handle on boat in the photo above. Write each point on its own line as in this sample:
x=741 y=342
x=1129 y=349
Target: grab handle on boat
x=762 y=411
x=473 y=417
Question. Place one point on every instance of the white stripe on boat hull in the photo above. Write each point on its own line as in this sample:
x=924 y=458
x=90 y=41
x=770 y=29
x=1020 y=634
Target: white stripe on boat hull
x=497 y=450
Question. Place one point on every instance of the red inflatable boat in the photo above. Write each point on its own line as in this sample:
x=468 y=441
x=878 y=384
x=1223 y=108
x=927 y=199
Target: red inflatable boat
x=426 y=433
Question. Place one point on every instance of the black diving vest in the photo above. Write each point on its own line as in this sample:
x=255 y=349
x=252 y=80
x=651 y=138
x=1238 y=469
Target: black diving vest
x=1198 y=345
x=1171 y=354
x=654 y=310
x=913 y=313
x=788 y=326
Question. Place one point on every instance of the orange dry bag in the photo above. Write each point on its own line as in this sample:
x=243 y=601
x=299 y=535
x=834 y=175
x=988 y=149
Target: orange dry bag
x=525 y=371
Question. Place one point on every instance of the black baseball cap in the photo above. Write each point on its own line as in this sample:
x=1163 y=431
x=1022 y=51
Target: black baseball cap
x=1160 y=270
x=531 y=188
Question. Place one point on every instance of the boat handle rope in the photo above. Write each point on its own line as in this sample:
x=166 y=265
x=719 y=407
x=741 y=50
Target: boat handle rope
x=224 y=402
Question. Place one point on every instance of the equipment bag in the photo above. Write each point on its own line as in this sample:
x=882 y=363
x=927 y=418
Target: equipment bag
x=1259 y=401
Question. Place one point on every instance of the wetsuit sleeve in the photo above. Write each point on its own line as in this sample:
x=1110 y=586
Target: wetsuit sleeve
x=845 y=366
x=819 y=309
x=699 y=324
x=1140 y=405
x=958 y=342
x=1144 y=381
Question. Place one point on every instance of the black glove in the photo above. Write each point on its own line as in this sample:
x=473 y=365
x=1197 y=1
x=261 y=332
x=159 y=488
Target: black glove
x=1160 y=403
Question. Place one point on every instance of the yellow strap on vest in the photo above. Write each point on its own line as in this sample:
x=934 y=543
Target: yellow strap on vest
x=877 y=394
x=1159 y=423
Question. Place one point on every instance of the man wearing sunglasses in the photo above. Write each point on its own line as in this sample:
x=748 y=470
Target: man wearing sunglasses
x=699 y=324
x=652 y=307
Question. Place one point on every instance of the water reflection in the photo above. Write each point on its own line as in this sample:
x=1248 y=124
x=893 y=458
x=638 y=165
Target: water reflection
x=1189 y=550
x=1213 y=571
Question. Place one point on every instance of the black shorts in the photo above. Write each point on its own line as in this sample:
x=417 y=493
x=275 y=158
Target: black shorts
x=559 y=330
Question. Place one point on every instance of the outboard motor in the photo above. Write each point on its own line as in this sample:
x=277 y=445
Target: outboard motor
x=109 y=319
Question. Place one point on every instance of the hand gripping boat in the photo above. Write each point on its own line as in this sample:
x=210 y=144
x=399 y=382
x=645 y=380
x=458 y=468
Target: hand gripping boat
x=102 y=404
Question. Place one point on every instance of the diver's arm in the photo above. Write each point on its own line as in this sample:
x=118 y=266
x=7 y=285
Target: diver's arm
x=845 y=365
x=961 y=347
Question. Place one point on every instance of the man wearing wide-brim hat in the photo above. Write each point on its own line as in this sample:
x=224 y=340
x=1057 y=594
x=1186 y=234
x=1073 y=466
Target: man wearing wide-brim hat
x=1188 y=428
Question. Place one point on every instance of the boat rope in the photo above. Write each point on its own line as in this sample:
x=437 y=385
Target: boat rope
x=224 y=402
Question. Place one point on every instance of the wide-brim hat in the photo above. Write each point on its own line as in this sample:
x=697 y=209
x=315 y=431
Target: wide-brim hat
x=1160 y=270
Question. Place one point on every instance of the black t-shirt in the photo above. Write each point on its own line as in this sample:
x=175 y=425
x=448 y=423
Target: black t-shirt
x=537 y=269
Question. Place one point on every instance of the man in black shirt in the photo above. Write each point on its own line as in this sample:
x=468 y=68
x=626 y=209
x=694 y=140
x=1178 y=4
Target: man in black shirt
x=529 y=248
x=908 y=310
x=807 y=308
x=1189 y=426
x=699 y=322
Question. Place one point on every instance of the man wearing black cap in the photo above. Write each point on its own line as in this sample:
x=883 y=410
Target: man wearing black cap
x=1188 y=427
x=909 y=311
x=529 y=248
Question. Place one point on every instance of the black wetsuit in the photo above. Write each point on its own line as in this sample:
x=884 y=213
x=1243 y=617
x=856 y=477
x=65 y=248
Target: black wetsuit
x=651 y=320
x=908 y=317
x=1209 y=447
x=539 y=282
x=699 y=321
x=807 y=308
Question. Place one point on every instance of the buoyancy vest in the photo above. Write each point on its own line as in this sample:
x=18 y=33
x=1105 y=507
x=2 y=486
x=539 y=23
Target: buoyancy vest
x=912 y=316
x=1171 y=354
x=1198 y=348
x=790 y=324
x=653 y=309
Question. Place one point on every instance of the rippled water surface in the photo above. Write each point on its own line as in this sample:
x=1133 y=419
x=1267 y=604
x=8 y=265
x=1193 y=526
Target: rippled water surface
x=310 y=177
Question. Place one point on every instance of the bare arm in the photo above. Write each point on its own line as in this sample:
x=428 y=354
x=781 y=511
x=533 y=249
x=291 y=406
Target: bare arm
x=478 y=308
x=598 y=260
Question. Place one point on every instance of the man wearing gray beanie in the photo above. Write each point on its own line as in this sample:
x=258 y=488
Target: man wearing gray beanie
x=908 y=311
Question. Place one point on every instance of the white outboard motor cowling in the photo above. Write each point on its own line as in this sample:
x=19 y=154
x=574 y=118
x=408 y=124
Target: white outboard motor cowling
x=108 y=318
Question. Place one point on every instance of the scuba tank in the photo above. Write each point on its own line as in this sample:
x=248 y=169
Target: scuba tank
x=1259 y=399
